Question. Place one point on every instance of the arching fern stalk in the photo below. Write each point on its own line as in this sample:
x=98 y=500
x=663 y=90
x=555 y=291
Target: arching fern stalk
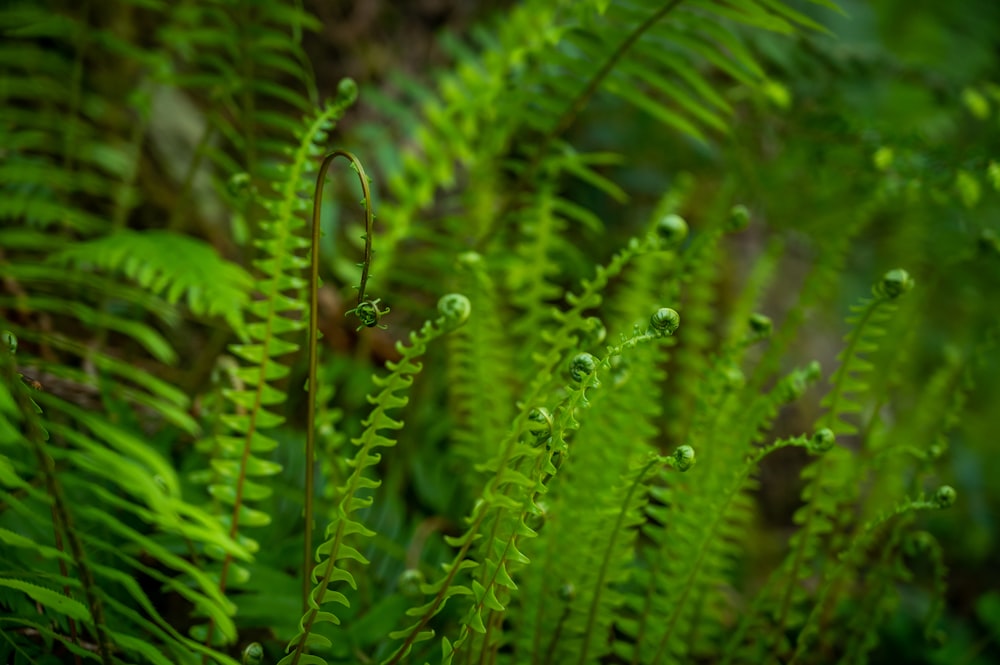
x=238 y=456
x=368 y=312
x=453 y=310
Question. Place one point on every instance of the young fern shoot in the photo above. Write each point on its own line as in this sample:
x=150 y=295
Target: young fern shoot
x=367 y=311
x=453 y=310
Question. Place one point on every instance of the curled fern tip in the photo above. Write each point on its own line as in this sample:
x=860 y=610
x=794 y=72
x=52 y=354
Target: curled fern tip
x=822 y=440
x=739 y=218
x=455 y=308
x=760 y=326
x=893 y=284
x=683 y=458
x=370 y=313
x=347 y=91
x=253 y=654
x=409 y=582
x=582 y=366
x=672 y=229
x=665 y=321
x=945 y=496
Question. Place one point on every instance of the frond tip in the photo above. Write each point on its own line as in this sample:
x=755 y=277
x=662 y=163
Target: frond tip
x=682 y=459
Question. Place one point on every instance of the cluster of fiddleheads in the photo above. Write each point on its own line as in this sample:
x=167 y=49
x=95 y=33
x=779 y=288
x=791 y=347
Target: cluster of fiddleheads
x=541 y=516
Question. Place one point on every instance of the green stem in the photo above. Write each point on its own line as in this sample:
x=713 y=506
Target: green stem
x=307 y=552
x=36 y=437
x=588 y=632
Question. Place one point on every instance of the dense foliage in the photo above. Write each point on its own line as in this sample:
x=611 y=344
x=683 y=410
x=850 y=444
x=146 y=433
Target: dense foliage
x=664 y=332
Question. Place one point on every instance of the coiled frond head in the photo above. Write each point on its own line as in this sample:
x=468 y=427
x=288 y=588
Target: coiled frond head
x=739 y=217
x=945 y=496
x=347 y=91
x=409 y=582
x=683 y=458
x=664 y=322
x=893 y=284
x=370 y=313
x=761 y=326
x=822 y=440
x=253 y=654
x=240 y=186
x=671 y=230
x=582 y=366
x=455 y=308
x=734 y=377
x=919 y=543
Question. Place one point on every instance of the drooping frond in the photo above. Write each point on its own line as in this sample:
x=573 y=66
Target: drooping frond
x=79 y=522
x=167 y=264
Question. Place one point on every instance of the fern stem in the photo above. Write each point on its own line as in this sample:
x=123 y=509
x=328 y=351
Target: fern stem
x=441 y=594
x=830 y=419
x=566 y=119
x=708 y=536
x=606 y=560
x=64 y=571
x=551 y=650
x=307 y=550
x=36 y=437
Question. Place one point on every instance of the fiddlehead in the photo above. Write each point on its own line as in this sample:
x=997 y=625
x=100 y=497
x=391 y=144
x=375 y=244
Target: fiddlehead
x=368 y=310
x=253 y=654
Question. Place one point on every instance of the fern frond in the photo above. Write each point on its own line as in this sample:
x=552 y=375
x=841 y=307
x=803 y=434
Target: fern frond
x=602 y=567
x=279 y=312
x=481 y=382
x=246 y=64
x=573 y=514
x=867 y=321
x=879 y=576
x=553 y=60
x=453 y=311
x=171 y=265
x=522 y=473
x=833 y=479
x=107 y=479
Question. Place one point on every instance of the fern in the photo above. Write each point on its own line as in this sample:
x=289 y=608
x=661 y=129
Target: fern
x=831 y=479
x=249 y=64
x=238 y=451
x=482 y=397
x=209 y=285
x=453 y=310
x=158 y=456
x=646 y=56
